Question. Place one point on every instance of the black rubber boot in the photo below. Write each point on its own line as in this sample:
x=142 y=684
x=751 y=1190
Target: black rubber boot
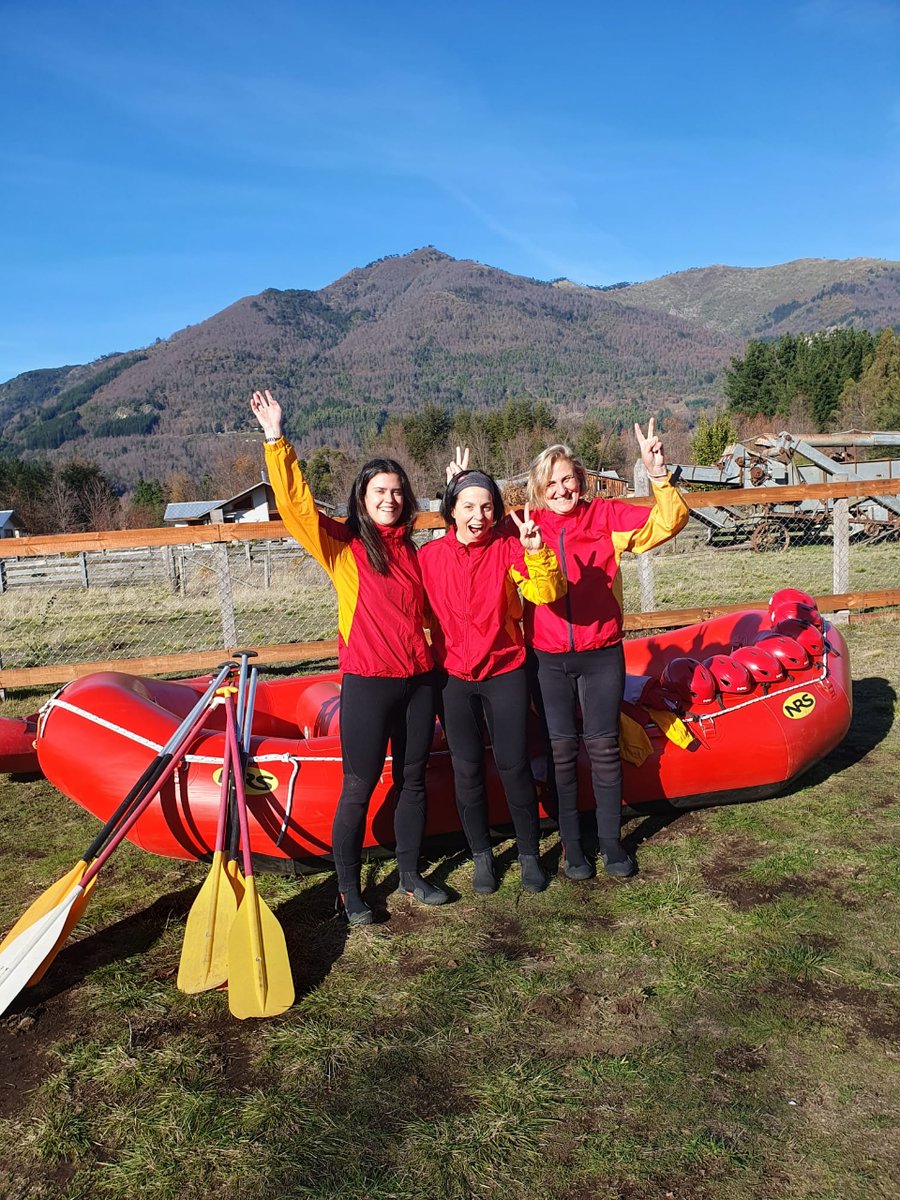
x=354 y=908
x=412 y=884
x=574 y=864
x=616 y=859
x=532 y=874
x=484 y=878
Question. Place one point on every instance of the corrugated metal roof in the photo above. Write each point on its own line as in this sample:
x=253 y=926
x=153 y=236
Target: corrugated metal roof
x=187 y=509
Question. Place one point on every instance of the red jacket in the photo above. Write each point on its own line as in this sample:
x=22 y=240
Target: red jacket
x=381 y=618
x=589 y=542
x=474 y=601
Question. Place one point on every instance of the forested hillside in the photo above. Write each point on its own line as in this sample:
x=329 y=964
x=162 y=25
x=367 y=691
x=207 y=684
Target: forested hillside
x=426 y=331
x=384 y=340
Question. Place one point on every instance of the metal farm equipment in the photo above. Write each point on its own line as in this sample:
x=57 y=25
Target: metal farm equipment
x=797 y=459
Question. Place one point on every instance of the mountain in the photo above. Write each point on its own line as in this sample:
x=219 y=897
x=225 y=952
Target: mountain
x=804 y=296
x=426 y=328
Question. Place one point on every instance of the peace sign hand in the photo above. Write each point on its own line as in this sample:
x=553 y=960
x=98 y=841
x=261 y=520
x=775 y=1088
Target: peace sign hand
x=529 y=533
x=652 y=454
x=459 y=464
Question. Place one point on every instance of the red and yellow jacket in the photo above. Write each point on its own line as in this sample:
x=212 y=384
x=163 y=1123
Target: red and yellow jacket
x=472 y=591
x=589 y=542
x=380 y=617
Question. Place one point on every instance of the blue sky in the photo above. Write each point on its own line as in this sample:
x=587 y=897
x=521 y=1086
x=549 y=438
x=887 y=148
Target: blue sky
x=162 y=160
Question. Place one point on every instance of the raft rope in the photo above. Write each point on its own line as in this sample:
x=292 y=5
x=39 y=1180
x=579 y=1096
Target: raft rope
x=699 y=718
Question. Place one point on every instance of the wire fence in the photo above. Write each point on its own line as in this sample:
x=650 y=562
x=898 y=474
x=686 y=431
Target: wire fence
x=80 y=608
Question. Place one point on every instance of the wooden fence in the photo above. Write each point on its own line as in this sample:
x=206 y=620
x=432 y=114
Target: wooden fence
x=839 y=493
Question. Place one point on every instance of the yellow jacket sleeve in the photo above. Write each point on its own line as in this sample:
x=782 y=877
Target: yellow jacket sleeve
x=545 y=581
x=668 y=516
x=297 y=507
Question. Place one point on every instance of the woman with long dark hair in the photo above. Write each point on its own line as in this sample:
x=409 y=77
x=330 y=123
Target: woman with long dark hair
x=387 y=685
x=472 y=580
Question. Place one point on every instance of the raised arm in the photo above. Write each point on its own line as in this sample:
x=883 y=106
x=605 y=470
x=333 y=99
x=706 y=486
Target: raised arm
x=669 y=513
x=324 y=539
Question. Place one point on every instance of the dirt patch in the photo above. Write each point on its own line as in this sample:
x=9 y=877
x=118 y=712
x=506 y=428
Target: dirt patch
x=852 y=1009
x=504 y=939
x=25 y=1036
x=595 y=1016
x=724 y=875
x=740 y=1059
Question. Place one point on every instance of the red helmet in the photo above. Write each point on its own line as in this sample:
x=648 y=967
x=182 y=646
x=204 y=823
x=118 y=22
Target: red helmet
x=808 y=636
x=790 y=653
x=732 y=678
x=689 y=680
x=791 y=604
x=763 y=666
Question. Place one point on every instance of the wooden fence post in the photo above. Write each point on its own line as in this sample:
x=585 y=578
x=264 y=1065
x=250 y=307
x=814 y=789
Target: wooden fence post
x=84 y=570
x=840 y=520
x=226 y=598
x=644 y=561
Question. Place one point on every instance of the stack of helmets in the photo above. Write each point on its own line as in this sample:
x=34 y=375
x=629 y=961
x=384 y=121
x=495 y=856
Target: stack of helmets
x=794 y=641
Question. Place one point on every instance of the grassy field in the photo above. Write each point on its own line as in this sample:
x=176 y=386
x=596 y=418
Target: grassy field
x=723 y=1026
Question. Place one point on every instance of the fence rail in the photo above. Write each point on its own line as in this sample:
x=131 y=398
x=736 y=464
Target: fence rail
x=168 y=601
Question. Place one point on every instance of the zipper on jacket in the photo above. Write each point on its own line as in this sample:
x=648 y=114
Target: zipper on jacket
x=562 y=563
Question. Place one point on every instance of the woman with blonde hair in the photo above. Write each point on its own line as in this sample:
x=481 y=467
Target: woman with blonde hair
x=577 y=640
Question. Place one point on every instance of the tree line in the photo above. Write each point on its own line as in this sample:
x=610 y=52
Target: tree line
x=817 y=382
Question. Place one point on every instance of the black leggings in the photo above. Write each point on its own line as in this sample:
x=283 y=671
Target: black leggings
x=501 y=701
x=594 y=681
x=374 y=710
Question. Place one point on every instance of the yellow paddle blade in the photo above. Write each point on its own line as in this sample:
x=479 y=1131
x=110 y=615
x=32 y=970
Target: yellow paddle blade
x=72 y=920
x=236 y=876
x=260 y=983
x=204 y=955
x=47 y=900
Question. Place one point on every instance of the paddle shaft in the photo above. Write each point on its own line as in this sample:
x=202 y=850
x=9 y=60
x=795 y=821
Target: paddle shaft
x=158 y=764
x=141 y=805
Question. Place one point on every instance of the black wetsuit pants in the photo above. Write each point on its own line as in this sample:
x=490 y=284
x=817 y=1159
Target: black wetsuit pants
x=501 y=702
x=594 y=682
x=373 y=711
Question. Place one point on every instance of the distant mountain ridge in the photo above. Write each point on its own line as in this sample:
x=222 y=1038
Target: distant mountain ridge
x=804 y=296
x=427 y=328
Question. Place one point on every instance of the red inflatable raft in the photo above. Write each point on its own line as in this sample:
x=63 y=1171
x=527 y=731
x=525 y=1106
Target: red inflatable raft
x=751 y=699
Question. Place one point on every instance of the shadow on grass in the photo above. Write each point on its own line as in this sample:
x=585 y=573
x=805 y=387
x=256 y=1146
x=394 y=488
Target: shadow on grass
x=873 y=717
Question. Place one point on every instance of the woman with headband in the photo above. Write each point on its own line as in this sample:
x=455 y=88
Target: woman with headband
x=387 y=684
x=578 y=640
x=472 y=578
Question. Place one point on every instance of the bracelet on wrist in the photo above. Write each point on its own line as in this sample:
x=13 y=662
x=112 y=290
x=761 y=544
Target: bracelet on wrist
x=271 y=440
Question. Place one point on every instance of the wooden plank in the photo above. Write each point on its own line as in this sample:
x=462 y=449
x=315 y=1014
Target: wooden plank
x=164 y=664
x=182 y=535
x=190 y=535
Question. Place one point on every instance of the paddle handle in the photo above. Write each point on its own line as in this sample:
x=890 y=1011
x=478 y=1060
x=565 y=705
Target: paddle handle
x=157 y=765
x=240 y=794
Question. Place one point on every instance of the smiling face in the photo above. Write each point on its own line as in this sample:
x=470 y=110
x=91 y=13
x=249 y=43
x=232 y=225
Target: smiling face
x=473 y=514
x=563 y=490
x=384 y=498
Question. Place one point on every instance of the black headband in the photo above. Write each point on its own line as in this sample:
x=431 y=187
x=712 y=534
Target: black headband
x=465 y=479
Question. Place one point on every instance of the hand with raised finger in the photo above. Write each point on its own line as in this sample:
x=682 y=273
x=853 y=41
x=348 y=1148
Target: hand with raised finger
x=652 y=453
x=268 y=412
x=529 y=533
x=459 y=464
